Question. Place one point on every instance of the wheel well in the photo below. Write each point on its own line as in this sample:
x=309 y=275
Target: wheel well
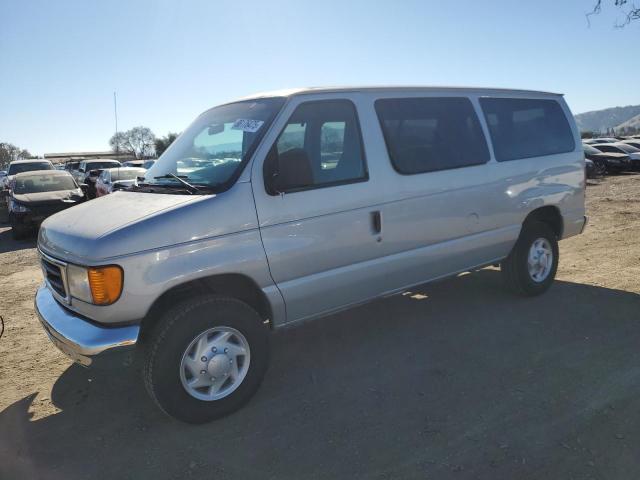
x=237 y=286
x=549 y=215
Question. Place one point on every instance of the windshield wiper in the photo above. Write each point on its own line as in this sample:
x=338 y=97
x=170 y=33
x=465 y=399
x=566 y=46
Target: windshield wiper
x=181 y=179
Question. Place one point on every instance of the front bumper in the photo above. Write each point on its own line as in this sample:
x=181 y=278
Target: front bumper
x=83 y=341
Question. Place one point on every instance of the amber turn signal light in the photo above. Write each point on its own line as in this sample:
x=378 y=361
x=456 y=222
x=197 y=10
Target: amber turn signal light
x=105 y=283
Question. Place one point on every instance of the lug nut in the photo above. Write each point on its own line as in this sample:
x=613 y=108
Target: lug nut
x=202 y=372
x=230 y=362
x=226 y=350
x=214 y=349
x=204 y=359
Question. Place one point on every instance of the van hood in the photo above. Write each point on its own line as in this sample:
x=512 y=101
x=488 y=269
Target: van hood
x=90 y=231
x=126 y=223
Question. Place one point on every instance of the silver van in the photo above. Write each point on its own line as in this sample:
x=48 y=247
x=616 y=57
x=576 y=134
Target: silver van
x=292 y=205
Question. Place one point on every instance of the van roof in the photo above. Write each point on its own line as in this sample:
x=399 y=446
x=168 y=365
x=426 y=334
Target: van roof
x=401 y=88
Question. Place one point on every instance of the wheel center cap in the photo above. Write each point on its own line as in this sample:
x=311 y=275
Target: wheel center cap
x=218 y=366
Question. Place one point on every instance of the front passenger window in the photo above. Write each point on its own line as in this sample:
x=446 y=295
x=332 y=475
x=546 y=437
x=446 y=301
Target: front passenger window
x=320 y=146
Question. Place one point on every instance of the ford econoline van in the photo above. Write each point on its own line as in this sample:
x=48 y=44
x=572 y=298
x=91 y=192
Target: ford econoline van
x=292 y=205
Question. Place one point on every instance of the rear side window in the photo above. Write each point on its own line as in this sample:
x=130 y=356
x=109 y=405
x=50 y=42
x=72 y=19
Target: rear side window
x=524 y=128
x=429 y=134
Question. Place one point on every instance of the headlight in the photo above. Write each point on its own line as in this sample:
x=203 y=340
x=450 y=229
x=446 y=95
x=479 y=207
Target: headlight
x=97 y=285
x=17 y=207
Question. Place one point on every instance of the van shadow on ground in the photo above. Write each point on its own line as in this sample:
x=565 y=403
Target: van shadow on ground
x=456 y=380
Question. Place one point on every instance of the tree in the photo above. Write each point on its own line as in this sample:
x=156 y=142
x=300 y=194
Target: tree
x=9 y=153
x=163 y=143
x=139 y=142
x=630 y=11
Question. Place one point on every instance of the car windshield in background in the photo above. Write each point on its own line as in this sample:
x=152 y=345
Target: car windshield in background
x=29 y=167
x=43 y=183
x=590 y=150
x=627 y=148
x=126 y=174
x=605 y=147
x=99 y=165
x=211 y=151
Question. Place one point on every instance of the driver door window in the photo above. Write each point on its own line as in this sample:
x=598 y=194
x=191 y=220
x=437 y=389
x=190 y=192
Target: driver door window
x=320 y=146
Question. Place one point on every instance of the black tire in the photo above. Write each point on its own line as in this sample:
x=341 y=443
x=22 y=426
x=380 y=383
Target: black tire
x=514 y=268
x=171 y=337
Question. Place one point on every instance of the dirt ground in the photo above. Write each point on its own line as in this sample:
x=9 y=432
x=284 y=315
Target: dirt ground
x=458 y=379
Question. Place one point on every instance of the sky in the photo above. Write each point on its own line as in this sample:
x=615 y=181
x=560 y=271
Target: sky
x=168 y=61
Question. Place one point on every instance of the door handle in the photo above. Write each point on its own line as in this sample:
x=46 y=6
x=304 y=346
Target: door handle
x=376 y=222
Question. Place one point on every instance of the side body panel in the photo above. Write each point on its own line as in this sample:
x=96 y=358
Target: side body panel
x=324 y=256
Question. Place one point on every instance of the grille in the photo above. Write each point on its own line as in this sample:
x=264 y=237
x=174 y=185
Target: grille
x=53 y=274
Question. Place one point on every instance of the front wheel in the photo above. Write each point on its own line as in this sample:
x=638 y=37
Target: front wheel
x=206 y=358
x=531 y=266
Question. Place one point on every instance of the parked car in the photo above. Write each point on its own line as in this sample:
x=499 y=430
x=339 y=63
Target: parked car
x=593 y=170
x=72 y=167
x=19 y=166
x=113 y=179
x=593 y=141
x=134 y=163
x=6 y=181
x=632 y=152
x=261 y=235
x=633 y=142
x=148 y=164
x=87 y=165
x=37 y=194
x=90 y=181
x=607 y=161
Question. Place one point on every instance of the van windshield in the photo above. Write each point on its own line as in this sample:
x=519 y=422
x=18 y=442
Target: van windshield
x=212 y=150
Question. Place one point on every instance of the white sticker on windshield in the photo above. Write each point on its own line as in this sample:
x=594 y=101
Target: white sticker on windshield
x=247 y=125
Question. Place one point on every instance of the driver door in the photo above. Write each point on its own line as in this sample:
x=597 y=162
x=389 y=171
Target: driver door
x=313 y=196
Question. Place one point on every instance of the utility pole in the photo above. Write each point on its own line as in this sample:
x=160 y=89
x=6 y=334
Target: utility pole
x=115 y=113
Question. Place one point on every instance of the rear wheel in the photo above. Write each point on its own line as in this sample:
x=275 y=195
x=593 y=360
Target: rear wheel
x=206 y=358
x=531 y=266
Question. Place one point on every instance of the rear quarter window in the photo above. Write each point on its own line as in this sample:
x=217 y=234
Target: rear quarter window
x=427 y=134
x=525 y=128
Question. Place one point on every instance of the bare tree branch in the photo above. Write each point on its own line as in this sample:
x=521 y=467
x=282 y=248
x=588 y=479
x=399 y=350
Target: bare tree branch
x=630 y=10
